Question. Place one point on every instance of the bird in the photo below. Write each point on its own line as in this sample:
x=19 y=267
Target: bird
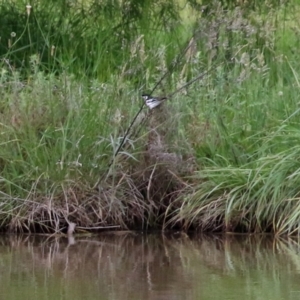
x=153 y=102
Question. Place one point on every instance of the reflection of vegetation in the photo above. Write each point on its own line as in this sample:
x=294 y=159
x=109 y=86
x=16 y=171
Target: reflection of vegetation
x=221 y=155
x=133 y=266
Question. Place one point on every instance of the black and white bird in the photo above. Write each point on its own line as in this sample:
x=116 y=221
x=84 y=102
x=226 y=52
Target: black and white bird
x=153 y=102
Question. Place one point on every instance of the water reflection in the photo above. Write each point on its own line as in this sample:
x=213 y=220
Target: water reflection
x=136 y=266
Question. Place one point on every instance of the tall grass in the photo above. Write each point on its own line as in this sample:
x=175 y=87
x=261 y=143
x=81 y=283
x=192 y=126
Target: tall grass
x=220 y=155
x=248 y=146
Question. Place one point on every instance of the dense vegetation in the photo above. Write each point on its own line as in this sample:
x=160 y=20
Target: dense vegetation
x=221 y=154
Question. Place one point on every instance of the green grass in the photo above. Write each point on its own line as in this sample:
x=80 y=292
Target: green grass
x=246 y=137
x=220 y=155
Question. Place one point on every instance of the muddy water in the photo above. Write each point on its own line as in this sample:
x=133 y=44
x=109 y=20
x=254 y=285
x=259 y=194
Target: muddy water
x=154 y=266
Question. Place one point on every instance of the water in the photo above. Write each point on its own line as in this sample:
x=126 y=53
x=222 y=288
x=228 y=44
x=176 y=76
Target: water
x=154 y=266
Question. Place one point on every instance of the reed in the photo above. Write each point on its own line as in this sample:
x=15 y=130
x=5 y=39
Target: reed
x=221 y=154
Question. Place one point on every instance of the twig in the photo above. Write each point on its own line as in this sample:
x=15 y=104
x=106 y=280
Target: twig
x=194 y=80
x=99 y=227
x=141 y=108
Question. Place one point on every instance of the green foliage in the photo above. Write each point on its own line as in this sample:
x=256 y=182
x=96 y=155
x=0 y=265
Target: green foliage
x=71 y=81
x=246 y=136
x=85 y=39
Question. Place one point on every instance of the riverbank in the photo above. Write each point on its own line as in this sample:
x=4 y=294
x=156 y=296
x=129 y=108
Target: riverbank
x=220 y=155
